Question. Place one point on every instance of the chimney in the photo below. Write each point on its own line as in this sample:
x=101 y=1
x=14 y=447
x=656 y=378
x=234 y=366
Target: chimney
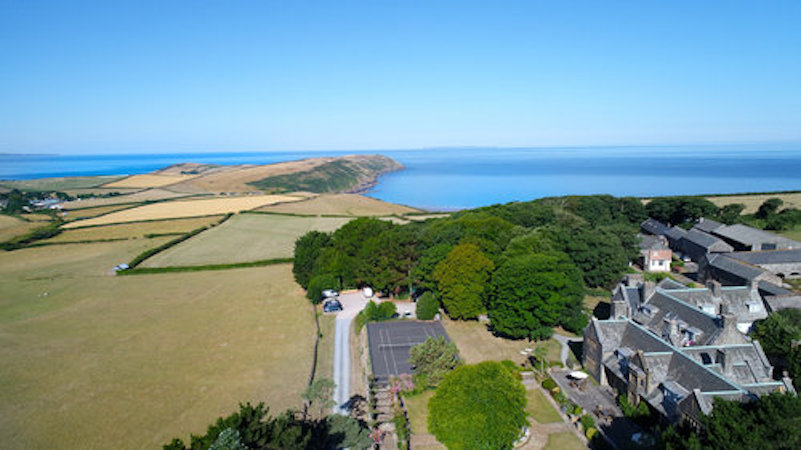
x=720 y=358
x=729 y=320
x=649 y=287
x=619 y=309
x=674 y=336
x=714 y=287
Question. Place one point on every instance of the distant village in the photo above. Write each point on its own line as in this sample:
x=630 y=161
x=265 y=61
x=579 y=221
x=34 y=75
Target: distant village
x=680 y=342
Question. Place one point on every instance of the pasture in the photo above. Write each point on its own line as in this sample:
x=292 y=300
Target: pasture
x=11 y=227
x=147 y=181
x=242 y=238
x=91 y=360
x=477 y=344
x=86 y=213
x=133 y=230
x=341 y=205
x=184 y=208
x=135 y=197
x=59 y=184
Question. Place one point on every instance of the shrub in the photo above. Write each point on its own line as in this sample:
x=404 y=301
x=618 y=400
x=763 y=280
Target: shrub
x=587 y=422
x=374 y=312
x=478 y=406
x=427 y=306
x=433 y=359
x=590 y=433
x=548 y=384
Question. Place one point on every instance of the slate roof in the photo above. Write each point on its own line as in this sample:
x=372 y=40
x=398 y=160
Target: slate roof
x=674 y=234
x=661 y=307
x=759 y=258
x=652 y=242
x=734 y=267
x=749 y=236
x=707 y=225
x=653 y=226
x=766 y=288
x=707 y=241
x=736 y=298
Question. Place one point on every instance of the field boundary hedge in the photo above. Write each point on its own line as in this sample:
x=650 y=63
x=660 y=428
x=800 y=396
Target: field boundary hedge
x=37 y=234
x=205 y=267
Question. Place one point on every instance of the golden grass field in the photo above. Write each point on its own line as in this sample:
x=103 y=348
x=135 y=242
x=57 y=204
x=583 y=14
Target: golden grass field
x=243 y=238
x=133 y=230
x=341 y=204
x=147 y=181
x=94 y=361
x=184 y=208
x=752 y=202
x=136 y=197
x=11 y=227
x=92 y=212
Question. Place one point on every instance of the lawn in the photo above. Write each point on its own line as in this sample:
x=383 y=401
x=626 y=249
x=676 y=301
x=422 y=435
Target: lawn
x=91 y=360
x=184 y=208
x=564 y=441
x=417 y=409
x=539 y=408
x=341 y=204
x=794 y=234
x=244 y=237
x=133 y=230
x=477 y=344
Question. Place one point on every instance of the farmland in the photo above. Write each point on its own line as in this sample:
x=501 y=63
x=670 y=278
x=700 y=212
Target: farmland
x=245 y=237
x=11 y=226
x=184 y=208
x=147 y=181
x=86 y=213
x=752 y=202
x=342 y=205
x=136 y=197
x=130 y=362
x=58 y=184
x=133 y=230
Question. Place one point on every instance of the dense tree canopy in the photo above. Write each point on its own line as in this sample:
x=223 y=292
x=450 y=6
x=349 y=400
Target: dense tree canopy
x=427 y=306
x=480 y=406
x=462 y=281
x=531 y=294
x=776 y=335
x=307 y=251
x=770 y=422
x=680 y=210
x=769 y=207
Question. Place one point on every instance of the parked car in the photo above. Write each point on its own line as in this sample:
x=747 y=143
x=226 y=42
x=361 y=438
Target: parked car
x=367 y=292
x=332 y=306
x=330 y=293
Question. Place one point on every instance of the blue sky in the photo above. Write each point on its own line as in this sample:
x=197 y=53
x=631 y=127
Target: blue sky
x=237 y=75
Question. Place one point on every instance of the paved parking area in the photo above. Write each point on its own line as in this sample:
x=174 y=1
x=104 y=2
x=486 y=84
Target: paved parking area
x=390 y=343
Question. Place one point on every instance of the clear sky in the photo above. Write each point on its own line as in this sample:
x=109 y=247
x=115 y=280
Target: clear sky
x=167 y=75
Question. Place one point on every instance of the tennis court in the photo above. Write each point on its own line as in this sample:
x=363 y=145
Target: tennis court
x=390 y=343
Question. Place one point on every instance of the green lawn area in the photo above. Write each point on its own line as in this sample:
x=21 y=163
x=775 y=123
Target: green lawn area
x=794 y=234
x=243 y=238
x=476 y=343
x=564 y=441
x=540 y=409
x=417 y=407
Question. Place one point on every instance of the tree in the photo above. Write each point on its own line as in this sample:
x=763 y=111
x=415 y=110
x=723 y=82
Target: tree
x=228 y=439
x=320 y=283
x=772 y=421
x=532 y=294
x=730 y=213
x=433 y=359
x=14 y=202
x=347 y=432
x=422 y=273
x=478 y=406
x=462 y=279
x=768 y=208
x=319 y=395
x=602 y=253
x=307 y=251
x=427 y=306
x=679 y=210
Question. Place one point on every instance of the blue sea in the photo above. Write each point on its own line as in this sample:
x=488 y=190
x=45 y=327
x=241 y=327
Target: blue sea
x=454 y=178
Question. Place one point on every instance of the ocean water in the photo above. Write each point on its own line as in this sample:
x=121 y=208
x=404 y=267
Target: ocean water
x=470 y=177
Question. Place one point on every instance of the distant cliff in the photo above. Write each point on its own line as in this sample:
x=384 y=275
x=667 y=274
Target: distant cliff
x=352 y=173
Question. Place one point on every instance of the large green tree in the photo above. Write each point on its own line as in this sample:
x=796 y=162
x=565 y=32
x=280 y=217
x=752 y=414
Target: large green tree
x=462 y=281
x=531 y=294
x=680 y=210
x=480 y=406
x=307 y=251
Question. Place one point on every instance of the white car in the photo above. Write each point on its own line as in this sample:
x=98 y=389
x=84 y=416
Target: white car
x=330 y=293
x=367 y=292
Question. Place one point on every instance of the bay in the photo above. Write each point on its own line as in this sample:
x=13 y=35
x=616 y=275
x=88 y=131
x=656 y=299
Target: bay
x=455 y=178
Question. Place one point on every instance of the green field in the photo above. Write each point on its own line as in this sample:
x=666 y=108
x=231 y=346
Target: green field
x=133 y=230
x=58 y=184
x=341 y=205
x=11 y=227
x=244 y=237
x=91 y=360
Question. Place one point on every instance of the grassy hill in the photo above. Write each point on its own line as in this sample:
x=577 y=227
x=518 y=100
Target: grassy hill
x=340 y=175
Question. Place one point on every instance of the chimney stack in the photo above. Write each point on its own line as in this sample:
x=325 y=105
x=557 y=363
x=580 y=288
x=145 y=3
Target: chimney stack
x=715 y=288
